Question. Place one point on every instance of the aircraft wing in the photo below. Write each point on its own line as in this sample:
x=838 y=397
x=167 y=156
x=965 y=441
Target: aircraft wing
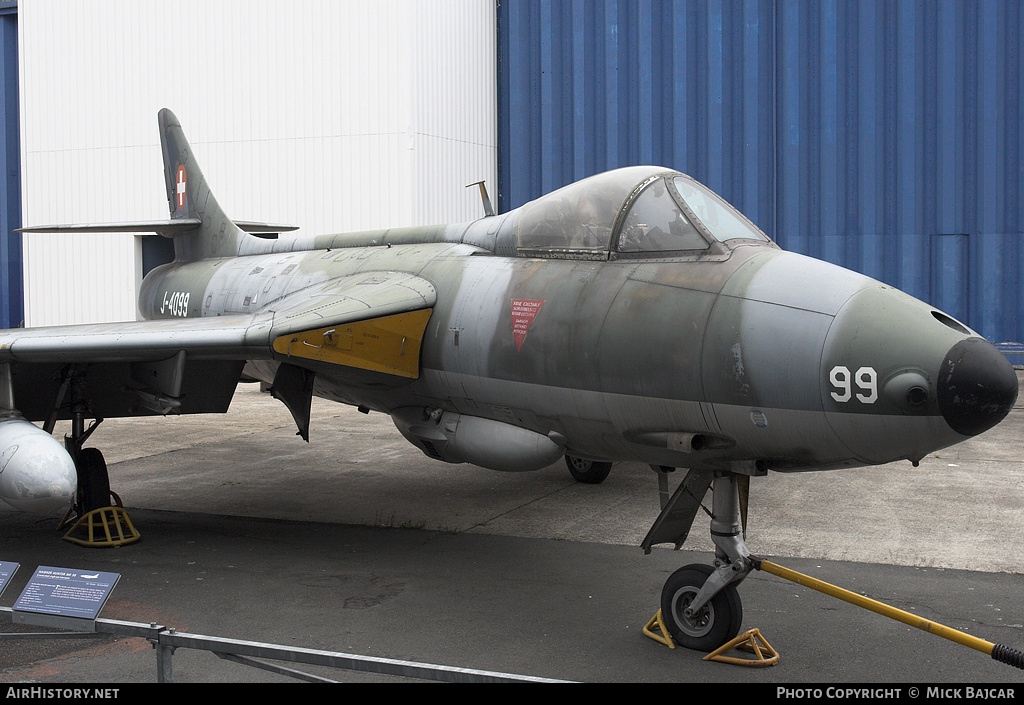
x=231 y=337
x=371 y=321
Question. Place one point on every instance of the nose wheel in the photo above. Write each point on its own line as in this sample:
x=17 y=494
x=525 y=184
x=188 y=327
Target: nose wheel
x=709 y=626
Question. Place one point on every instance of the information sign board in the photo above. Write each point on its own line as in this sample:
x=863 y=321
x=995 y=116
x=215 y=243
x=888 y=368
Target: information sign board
x=66 y=592
x=7 y=571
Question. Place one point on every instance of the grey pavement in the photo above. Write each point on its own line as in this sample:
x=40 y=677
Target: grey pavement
x=358 y=543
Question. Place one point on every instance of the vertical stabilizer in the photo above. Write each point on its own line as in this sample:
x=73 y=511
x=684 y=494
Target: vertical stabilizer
x=188 y=196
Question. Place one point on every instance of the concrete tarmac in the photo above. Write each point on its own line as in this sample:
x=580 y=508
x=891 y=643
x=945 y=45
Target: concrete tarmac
x=358 y=543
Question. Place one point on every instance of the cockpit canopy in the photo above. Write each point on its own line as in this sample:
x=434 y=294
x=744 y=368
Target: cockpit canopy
x=635 y=211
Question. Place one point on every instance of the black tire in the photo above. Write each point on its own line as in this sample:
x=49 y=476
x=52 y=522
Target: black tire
x=589 y=471
x=715 y=623
x=93 y=481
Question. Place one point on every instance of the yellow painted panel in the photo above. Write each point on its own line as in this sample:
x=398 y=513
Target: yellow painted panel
x=389 y=344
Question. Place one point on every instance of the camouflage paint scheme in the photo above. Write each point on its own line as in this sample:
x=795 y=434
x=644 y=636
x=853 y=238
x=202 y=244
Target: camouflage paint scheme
x=734 y=343
x=630 y=316
x=629 y=357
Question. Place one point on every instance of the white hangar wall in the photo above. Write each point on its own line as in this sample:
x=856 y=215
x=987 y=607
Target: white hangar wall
x=326 y=114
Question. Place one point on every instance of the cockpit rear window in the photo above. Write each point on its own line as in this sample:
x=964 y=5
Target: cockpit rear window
x=578 y=217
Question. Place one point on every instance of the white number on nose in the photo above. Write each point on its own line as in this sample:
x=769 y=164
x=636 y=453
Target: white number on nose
x=865 y=379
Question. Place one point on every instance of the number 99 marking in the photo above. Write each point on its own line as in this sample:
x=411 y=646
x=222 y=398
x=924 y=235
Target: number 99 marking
x=865 y=380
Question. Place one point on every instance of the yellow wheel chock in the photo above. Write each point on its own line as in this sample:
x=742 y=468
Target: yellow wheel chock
x=751 y=641
x=102 y=528
x=661 y=636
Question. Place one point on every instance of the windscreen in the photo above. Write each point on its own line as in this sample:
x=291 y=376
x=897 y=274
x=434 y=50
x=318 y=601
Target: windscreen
x=722 y=221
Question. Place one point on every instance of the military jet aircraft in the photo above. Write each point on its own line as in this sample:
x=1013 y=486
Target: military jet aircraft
x=631 y=316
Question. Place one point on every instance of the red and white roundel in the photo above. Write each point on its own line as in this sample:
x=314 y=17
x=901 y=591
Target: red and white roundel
x=181 y=181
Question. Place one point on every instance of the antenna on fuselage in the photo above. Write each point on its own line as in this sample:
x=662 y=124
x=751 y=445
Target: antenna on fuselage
x=488 y=209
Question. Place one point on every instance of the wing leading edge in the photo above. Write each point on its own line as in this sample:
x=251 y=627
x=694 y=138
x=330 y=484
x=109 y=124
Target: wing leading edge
x=192 y=365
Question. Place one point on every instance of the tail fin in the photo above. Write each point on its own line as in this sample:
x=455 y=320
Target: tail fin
x=200 y=228
x=188 y=197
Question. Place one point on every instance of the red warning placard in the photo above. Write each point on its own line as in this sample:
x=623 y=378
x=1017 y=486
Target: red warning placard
x=523 y=313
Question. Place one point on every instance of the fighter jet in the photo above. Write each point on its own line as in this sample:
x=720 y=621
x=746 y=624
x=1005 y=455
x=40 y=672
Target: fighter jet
x=631 y=316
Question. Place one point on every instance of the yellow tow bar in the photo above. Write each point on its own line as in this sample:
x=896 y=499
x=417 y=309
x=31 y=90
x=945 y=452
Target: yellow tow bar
x=999 y=652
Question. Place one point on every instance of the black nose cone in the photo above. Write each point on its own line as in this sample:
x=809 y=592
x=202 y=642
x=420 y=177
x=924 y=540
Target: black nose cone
x=977 y=386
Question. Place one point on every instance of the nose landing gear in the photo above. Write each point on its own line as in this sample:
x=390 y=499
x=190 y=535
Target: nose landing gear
x=700 y=605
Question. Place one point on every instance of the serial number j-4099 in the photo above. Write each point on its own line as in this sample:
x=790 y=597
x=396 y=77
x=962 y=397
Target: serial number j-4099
x=175 y=303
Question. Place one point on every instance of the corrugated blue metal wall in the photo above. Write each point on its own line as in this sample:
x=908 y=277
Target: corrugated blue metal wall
x=11 y=291
x=883 y=136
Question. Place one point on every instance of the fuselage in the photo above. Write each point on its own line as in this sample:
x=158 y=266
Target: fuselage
x=746 y=357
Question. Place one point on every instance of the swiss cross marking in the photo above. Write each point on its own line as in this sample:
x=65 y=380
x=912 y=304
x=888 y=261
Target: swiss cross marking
x=181 y=187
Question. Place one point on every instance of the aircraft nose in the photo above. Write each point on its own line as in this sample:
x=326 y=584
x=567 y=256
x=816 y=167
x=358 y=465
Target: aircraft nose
x=976 y=387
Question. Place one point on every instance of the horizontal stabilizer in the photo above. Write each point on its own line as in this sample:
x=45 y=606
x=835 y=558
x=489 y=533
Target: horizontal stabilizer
x=167 y=228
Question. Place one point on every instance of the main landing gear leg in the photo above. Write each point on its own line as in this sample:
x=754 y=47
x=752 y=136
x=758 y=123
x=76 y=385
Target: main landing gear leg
x=99 y=523
x=93 y=480
x=700 y=604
